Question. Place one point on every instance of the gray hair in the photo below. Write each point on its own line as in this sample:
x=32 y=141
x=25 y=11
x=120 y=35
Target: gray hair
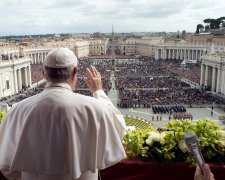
x=58 y=74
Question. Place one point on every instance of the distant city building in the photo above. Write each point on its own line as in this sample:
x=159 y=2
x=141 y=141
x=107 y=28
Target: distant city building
x=206 y=48
x=183 y=34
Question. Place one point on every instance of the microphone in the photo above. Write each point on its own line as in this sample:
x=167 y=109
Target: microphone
x=192 y=143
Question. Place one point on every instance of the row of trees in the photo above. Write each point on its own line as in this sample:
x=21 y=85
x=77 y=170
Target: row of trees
x=211 y=24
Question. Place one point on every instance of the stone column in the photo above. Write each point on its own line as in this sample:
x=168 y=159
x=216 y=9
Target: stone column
x=15 y=80
x=184 y=54
x=156 y=55
x=33 y=56
x=19 y=79
x=11 y=82
x=206 y=75
x=29 y=75
x=176 y=54
x=188 y=56
x=165 y=53
x=213 y=79
x=198 y=55
x=26 y=76
x=39 y=57
x=181 y=54
x=42 y=57
x=32 y=59
x=1 y=87
x=218 y=84
x=223 y=82
x=36 y=55
x=202 y=80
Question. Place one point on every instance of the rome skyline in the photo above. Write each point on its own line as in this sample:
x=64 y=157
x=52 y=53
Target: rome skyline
x=24 y=17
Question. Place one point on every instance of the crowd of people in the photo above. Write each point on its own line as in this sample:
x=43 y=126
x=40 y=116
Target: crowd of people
x=168 y=109
x=24 y=93
x=182 y=116
x=142 y=82
x=187 y=71
x=38 y=120
x=146 y=82
x=58 y=134
x=103 y=66
x=36 y=73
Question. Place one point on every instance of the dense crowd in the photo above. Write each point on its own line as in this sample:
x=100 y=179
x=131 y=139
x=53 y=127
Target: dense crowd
x=36 y=73
x=146 y=82
x=23 y=94
x=142 y=82
x=103 y=66
x=168 y=109
x=182 y=116
x=187 y=71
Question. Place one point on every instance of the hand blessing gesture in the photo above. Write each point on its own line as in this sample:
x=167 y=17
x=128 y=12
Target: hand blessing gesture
x=93 y=79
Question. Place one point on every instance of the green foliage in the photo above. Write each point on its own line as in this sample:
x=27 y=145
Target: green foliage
x=2 y=115
x=211 y=24
x=134 y=143
x=199 y=26
x=169 y=146
x=210 y=138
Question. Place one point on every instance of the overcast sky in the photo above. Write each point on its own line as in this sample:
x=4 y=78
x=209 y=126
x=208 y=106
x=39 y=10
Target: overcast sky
x=20 y=17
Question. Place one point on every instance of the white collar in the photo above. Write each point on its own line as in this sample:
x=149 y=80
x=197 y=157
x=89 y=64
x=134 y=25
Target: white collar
x=63 y=85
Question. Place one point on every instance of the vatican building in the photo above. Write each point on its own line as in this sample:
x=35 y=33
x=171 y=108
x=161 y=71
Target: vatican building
x=113 y=105
x=207 y=49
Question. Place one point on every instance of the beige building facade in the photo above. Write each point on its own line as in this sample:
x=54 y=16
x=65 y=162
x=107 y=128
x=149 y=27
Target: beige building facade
x=213 y=72
x=14 y=75
x=15 y=72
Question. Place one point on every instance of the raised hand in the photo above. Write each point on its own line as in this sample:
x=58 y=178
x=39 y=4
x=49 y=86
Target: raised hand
x=93 y=79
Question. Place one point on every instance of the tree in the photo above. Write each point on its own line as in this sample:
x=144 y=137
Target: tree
x=199 y=26
x=214 y=23
x=222 y=20
x=206 y=28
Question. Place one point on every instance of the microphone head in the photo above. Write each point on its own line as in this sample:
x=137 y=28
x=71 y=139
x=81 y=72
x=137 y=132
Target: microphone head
x=192 y=143
x=190 y=138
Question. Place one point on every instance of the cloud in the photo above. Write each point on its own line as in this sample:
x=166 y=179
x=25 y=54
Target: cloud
x=26 y=16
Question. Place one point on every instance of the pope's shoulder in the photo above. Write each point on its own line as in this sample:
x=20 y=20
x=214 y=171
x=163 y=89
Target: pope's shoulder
x=67 y=98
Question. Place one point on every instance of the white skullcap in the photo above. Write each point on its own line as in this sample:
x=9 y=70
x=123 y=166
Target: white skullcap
x=60 y=58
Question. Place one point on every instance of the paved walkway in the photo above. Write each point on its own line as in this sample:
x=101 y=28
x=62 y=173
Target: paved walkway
x=146 y=113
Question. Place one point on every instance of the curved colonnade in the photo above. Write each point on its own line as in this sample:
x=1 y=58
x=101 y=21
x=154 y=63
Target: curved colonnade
x=15 y=72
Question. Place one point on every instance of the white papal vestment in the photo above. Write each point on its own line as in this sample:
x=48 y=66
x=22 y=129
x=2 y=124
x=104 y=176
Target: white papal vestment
x=61 y=135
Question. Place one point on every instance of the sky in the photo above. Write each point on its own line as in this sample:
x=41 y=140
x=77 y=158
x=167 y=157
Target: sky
x=27 y=17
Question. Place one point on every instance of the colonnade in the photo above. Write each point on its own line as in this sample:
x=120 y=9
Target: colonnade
x=14 y=76
x=37 y=57
x=213 y=74
x=179 y=53
x=22 y=77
